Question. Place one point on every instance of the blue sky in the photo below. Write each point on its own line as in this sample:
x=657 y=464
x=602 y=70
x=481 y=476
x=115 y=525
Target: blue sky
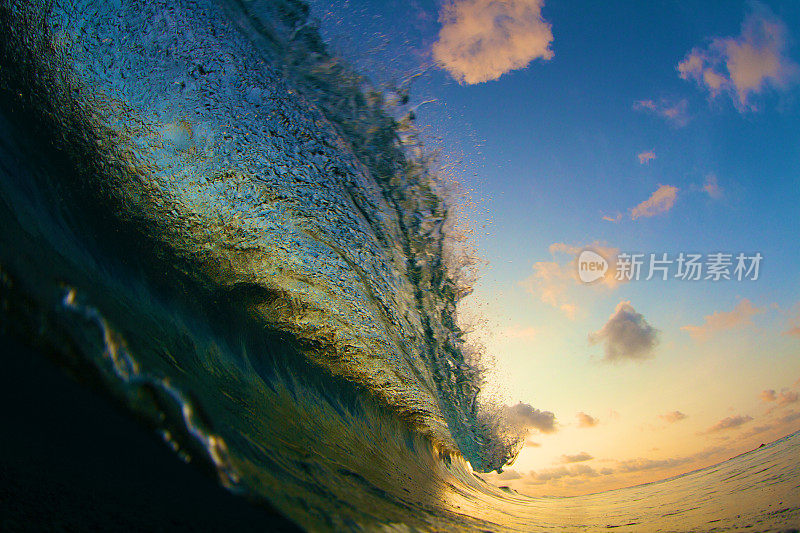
x=554 y=115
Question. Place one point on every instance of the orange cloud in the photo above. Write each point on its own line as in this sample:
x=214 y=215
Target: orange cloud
x=659 y=202
x=730 y=422
x=794 y=324
x=551 y=280
x=741 y=315
x=586 y=421
x=553 y=474
x=577 y=458
x=672 y=417
x=744 y=65
x=767 y=395
x=481 y=40
x=782 y=398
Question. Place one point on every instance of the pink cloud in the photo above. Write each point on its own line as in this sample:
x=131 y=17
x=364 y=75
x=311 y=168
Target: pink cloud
x=646 y=157
x=744 y=65
x=480 y=40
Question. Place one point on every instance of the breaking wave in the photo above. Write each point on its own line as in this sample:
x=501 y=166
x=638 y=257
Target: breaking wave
x=232 y=233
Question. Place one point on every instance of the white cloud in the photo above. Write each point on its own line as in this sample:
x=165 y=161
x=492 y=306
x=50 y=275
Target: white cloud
x=481 y=40
x=659 y=202
x=744 y=65
x=741 y=315
x=626 y=335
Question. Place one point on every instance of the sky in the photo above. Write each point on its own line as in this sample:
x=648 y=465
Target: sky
x=623 y=128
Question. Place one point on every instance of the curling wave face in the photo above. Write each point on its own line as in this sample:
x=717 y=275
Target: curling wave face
x=214 y=196
x=211 y=219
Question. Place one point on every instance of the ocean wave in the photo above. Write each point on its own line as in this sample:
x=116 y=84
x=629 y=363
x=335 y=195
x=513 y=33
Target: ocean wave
x=232 y=234
x=219 y=149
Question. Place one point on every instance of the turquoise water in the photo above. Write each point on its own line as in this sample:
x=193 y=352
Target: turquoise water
x=213 y=221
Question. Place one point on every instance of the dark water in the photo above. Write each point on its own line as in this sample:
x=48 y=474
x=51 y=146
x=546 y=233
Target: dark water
x=214 y=224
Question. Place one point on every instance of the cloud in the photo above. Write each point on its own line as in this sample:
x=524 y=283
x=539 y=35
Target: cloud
x=744 y=65
x=570 y=474
x=626 y=335
x=756 y=430
x=730 y=422
x=794 y=324
x=551 y=280
x=672 y=417
x=725 y=320
x=615 y=218
x=676 y=113
x=481 y=40
x=659 y=202
x=552 y=474
x=577 y=458
x=787 y=397
x=586 y=421
x=646 y=157
x=509 y=475
x=711 y=187
x=531 y=444
x=782 y=398
x=791 y=417
x=522 y=414
x=639 y=465
x=768 y=395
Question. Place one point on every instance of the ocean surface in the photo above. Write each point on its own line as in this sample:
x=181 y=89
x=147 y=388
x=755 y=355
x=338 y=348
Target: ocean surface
x=232 y=236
